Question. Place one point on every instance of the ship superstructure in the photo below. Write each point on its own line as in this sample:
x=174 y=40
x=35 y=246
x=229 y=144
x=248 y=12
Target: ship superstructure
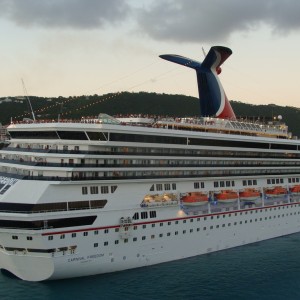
x=97 y=195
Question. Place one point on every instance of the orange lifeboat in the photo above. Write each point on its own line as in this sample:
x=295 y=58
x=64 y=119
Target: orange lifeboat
x=277 y=191
x=195 y=199
x=249 y=194
x=295 y=190
x=227 y=196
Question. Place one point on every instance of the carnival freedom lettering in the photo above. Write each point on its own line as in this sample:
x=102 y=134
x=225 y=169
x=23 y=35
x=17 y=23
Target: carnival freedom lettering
x=83 y=258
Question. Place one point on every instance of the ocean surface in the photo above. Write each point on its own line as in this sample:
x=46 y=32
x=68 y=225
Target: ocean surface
x=264 y=270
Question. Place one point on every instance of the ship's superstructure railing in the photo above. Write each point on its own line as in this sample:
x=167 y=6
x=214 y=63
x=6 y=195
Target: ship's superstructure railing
x=276 y=128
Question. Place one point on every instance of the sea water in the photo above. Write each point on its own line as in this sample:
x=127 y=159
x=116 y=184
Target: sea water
x=264 y=270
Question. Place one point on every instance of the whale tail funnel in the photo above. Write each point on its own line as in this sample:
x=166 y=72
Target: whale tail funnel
x=213 y=100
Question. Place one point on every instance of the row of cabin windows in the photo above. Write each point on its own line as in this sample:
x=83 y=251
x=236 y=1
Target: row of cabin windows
x=95 y=189
x=249 y=182
x=191 y=230
x=165 y=186
x=144 y=215
x=198 y=185
x=161 y=224
x=293 y=180
x=227 y=183
x=274 y=180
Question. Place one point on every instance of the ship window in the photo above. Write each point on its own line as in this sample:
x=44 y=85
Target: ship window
x=104 y=189
x=134 y=227
x=273 y=181
x=173 y=186
x=116 y=229
x=290 y=180
x=196 y=185
x=211 y=227
x=249 y=182
x=169 y=223
x=277 y=180
x=105 y=243
x=96 y=232
x=29 y=238
x=94 y=190
x=244 y=182
x=297 y=179
x=176 y=232
x=167 y=186
x=198 y=219
x=202 y=185
x=222 y=184
x=50 y=237
x=217 y=226
x=191 y=220
x=254 y=182
x=135 y=216
x=268 y=181
x=116 y=242
x=143 y=238
x=232 y=183
x=72 y=135
x=191 y=230
x=85 y=233
x=184 y=221
x=62 y=236
x=212 y=217
x=14 y=237
x=152 y=187
x=216 y=184
x=153 y=225
x=144 y=215
x=160 y=235
x=223 y=225
x=144 y=226
x=153 y=214
x=134 y=239
x=113 y=188
x=125 y=240
x=227 y=183
x=281 y=180
x=184 y=231
x=152 y=236
x=198 y=229
x=161 y=224
x=106 y=231
x=84 y=190
x=73 y=235
x=204 y=228
x=176 y=222
x=95 y=245
x=159 y=187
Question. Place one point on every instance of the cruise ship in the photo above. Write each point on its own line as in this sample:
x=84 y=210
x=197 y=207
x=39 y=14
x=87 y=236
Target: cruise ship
x=105 y=194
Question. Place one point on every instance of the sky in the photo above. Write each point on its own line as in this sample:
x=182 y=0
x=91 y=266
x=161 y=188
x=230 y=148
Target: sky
x=85 y=47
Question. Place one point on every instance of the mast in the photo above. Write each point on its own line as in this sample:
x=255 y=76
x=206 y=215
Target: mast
x=26 y=94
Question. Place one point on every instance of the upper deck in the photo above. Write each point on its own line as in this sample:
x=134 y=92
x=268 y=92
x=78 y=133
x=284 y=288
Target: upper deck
x=272 y=129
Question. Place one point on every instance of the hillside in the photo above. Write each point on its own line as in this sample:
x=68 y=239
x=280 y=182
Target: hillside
x=133 y=103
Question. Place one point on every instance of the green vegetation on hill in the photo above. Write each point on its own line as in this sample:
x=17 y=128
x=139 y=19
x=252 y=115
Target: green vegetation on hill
x=133 y=103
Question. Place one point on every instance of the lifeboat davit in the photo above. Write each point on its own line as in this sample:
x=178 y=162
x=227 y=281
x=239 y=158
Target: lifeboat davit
x=227 y=196
x=249 y=194
x=277 y=191
x=195 y=199
x=295 y=190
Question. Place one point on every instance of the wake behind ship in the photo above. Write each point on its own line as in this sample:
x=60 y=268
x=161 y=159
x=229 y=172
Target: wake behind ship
x=91 y=196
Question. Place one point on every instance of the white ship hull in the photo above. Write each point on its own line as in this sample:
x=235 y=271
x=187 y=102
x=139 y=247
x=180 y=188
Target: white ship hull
x=90 y=261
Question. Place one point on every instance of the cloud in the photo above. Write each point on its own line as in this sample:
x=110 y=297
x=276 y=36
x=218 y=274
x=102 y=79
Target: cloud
x=77 y=14
x=202 y=20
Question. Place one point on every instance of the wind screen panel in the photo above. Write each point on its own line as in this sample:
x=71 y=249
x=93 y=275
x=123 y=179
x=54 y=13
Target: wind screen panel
x=72 y=135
